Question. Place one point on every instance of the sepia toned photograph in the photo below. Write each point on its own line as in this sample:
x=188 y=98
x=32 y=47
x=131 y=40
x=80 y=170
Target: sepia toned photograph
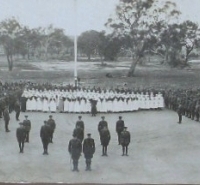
x=100 y=91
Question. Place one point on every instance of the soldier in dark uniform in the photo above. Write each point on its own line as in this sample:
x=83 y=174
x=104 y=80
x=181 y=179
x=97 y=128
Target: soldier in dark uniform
x=52 y=124
x=180 y=112
x=45 y=134
x=75 y=149
x=6 y=118
x=17 y=110
x=193 y=109
x=23 y=101
x=27 y=125
x=79 y=133
x=105 y=139
x=197 y=109
x=80 y=123
x=21 y=135
x=88 y=150
x=102 y=124
x=125 y=139
x=119 y=128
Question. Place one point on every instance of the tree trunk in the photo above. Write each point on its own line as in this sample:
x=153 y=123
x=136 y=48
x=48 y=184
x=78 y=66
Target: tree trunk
x=133 y=66
x=10 y=61
x=89 y=57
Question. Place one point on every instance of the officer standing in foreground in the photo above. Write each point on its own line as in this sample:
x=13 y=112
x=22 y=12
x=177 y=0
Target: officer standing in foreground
x=45 y=134
x=105 y=139
x=88 y=150
x=27 y=125
x=6 y=118
x=119 y=128
x=21 y=135
x=125 y=139
x=75 y=149
x=52 y=125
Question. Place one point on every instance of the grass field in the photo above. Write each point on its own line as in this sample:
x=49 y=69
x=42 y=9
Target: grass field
x=92 y=73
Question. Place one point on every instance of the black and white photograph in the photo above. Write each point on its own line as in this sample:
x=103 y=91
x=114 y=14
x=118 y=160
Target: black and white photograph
x=100 y=91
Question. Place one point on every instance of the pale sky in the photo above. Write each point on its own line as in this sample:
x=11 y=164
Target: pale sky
x=91 y=14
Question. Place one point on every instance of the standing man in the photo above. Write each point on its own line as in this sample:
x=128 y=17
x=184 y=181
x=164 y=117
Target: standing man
x=6 y=118
x=17 y=109
x=102 y=124
x=88 y=150
x=125 y=139
x=105 y=139
x=80 y=123
x=180 y=112
x=21 y=135
x=45 y=134
x=75 y=149
x=52 y=125
x=79 y=133
x=27 y=125
x=119 y=128
x=93 y=107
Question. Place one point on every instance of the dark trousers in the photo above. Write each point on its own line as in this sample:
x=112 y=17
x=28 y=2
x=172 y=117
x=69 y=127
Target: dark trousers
x=179 y=117
x=6 y=125
x=17 y=115
x=51 y=136
x=21 y=145
x=124 y=149
x=118 y=134
x=27 y=136
x=192 y=115
x=45 y=143
x=88 y=162
x=197 y=116
x=75 y=162
x=104 y=149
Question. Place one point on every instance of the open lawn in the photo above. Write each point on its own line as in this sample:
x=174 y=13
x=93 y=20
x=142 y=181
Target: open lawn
x=92 y=73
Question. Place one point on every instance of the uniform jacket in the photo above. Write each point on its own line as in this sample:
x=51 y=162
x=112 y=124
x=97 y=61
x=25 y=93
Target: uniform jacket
x=125 y=138
x=105 y=136
x=119 y=125
x=27 y=124
x=21 y=134
x=88 y=147
x=75 y=148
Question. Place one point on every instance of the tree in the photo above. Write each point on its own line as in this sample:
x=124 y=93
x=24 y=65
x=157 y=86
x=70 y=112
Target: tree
x=136 y=18
x=9 y=32
x=88 y=42
x=172 y=39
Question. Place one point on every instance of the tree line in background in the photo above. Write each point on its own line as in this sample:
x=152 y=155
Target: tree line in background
x=138 y=28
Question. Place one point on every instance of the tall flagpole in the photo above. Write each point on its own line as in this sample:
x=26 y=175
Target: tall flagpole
x=75 y=43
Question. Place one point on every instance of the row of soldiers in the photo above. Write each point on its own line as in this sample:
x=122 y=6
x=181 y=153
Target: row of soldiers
x=184 y=102
x=46 y=133
x=75 y=146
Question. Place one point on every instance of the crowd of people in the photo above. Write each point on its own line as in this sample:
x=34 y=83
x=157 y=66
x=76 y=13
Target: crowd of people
x=52 y=98
x=81 y=100
x=186 y=102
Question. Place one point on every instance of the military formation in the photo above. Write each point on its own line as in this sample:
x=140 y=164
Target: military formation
x=78 y=144
x=18 y=98
x=184 y=102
